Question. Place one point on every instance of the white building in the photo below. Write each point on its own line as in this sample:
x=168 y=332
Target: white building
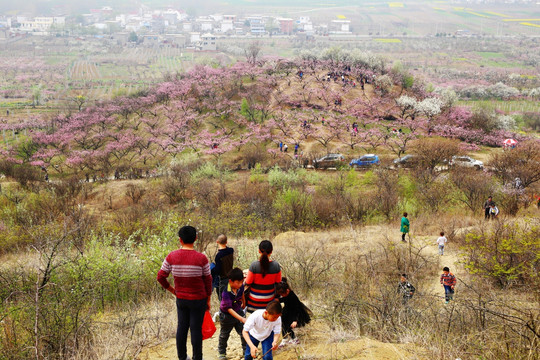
x=206 y=26
x=217 y=17
x=41 y=24
x=175 y=39
x=340 y=27
x=122 y=19
x=207 y=43
x=187 y=27
x=194 y=37
x=257 y=25
x=5 y=22
x=227 y=25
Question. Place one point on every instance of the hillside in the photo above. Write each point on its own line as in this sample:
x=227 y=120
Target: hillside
x=348 y=102
x=91 y=203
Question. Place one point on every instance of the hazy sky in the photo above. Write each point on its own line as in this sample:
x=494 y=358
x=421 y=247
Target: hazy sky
x=69 y=7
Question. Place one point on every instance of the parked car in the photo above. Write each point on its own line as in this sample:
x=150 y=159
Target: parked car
x=466 y=161
x=406 y=161
x=328 y=161
x=365 y=161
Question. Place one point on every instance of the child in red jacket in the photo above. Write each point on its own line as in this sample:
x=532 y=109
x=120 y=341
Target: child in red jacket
x=448 y=281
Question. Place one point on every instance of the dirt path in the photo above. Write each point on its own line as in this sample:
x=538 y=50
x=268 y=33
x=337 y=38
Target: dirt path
x=450 y=259
x=317 y=341
x=315 y=346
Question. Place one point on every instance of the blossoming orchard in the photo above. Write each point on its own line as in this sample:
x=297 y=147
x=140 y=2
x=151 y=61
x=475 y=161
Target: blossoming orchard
x=217 y=111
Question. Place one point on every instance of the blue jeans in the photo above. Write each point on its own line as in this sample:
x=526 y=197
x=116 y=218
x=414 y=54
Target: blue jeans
x=266 y=347
x=190 y=317
x=441 y=249
x=448 y=293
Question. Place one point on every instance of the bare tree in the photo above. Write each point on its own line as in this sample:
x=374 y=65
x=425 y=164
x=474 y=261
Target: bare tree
x=252 y=52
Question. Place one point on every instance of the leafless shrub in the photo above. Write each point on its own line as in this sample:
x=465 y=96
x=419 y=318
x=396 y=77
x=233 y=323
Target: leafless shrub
x=206 y=194
x=123 y=334
x=328 y=210
x=253 y=155
x=174 y=189
x=67 y=191
x=26 y=175
x=474 y=186
x=387 y=192
x=432 y=192
x=256 y=195
x=108 y=199
x=359 y=206
x=306 y=267
x=521 y=163
x=135 y=192
x=434 y=152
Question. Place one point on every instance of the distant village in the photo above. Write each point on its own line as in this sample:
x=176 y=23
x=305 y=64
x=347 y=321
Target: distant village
x=148 y=27
x=144 y=26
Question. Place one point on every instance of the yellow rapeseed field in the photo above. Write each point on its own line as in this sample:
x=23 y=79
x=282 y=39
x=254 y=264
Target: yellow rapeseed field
x=518 y=20
x=529 y=24
x=387 y=40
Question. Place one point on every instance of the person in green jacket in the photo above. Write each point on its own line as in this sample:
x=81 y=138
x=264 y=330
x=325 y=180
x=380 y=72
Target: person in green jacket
x=404 y=226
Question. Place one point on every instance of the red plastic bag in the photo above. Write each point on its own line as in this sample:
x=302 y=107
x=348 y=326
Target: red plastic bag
x=208 y=327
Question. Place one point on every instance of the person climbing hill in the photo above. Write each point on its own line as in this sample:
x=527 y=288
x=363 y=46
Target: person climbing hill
x=404 y=226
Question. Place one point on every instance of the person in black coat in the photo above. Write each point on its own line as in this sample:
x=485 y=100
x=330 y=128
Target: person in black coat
x=295 y=313
x=406 y=289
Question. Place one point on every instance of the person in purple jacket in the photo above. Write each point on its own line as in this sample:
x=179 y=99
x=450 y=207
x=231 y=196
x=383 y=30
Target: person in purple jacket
x=231 y=313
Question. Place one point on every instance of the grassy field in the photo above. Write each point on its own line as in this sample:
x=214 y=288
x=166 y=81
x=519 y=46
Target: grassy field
x=506 y=106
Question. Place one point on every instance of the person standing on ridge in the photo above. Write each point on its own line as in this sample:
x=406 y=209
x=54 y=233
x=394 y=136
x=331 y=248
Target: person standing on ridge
x=404 y=226
x=192 y=288
x=487 y=207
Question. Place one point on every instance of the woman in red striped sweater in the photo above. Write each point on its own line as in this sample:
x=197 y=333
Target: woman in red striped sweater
x=263 y=275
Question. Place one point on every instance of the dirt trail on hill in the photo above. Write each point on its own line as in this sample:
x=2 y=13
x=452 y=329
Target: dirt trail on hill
x=317 y=341
x=316 y=346
x=450 y=259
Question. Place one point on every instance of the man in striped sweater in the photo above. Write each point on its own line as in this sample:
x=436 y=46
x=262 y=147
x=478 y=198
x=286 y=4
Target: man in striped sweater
x=448 y=281
x=192 y=288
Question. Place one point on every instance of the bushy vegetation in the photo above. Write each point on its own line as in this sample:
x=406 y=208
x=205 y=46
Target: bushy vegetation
x=127 y=174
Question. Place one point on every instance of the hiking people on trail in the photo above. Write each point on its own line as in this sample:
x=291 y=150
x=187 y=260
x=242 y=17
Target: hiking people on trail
x=285 y=148
x=224 y=261
x=263 y=326
x=441 y=241
x=406 y=289
x=281 y=146
x=404 y=226
x=295 y=313
x=448 y=281
x=192 y=288
x=231 y=311
x=487 y=207
x=493 y=211
x=263 y=275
